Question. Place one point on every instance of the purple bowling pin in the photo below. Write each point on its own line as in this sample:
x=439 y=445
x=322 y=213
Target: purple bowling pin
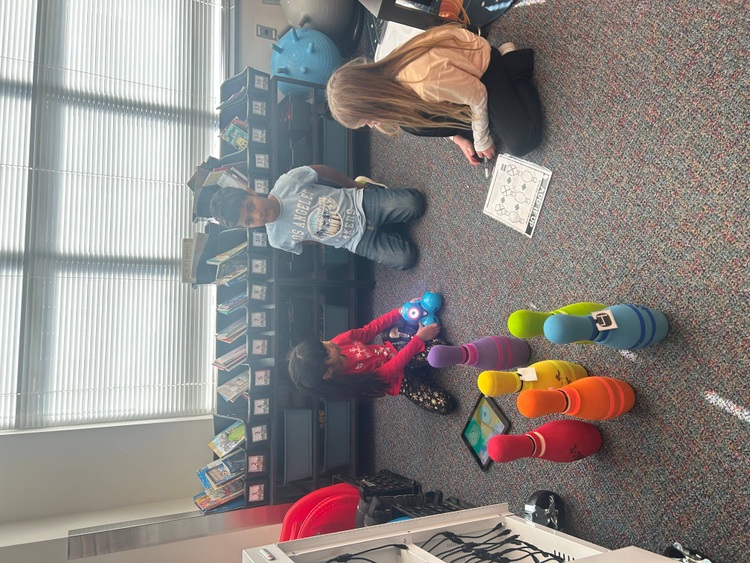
x=490 y=352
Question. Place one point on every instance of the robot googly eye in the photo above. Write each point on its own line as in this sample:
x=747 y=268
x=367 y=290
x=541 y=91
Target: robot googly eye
x=414 y=313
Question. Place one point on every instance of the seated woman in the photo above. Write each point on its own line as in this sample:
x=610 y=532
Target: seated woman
x=445 y=82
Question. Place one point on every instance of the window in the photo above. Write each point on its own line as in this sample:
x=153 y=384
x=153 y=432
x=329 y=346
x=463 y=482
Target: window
x=105 y=109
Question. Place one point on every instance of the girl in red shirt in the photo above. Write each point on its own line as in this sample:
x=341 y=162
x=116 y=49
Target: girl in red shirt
x=349 y=366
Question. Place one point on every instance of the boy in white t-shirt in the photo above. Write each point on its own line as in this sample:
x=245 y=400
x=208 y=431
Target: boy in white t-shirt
x=299 y=210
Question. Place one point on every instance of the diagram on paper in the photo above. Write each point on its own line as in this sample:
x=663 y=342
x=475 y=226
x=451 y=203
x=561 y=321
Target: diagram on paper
x=516 y=193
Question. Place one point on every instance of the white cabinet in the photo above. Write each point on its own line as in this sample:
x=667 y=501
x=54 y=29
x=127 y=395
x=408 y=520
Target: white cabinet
x=443 y=538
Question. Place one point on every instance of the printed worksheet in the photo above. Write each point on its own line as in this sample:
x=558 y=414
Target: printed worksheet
x=516 y=193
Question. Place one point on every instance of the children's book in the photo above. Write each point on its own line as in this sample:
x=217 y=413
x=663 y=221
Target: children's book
x=238 y=280
x=234 y=387
x=211 y=498
x=202 y=171
x=233 y=331
x=235 y=133
x=232 y=304
x=228 y=439
x=221 y=471
x=233 y=504
x=230 y=271
x=517 y=193
x=227 y=254
x=232 y=358
x=226 y=177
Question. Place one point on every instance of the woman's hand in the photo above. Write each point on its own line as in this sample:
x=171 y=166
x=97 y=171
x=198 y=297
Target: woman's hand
x=467 y=147
x=488 y=153
x=428 y=332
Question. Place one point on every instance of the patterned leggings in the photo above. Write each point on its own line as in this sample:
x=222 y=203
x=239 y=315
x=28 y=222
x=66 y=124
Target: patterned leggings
x=417 y=385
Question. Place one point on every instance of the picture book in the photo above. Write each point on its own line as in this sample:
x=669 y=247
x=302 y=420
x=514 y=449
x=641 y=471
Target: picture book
x=233 y=504
x=233 y=331
x=516 y=193
x=232 y=358
x=234 y=387
x=211 y=498
x=202 y=171
x=236 y=280
x=227 y=254
x=230 y=270
x=228 y=439
x=221 y=471
x=235 y=133
x=226 y=177
x=232 y=304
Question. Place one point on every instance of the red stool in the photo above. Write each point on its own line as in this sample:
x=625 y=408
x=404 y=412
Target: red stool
x=325 y=510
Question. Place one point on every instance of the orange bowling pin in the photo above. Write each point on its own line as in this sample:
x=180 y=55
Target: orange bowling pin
x=590 y=398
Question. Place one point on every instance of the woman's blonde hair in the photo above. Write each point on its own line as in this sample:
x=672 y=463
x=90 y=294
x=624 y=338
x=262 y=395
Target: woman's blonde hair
x=360 y=91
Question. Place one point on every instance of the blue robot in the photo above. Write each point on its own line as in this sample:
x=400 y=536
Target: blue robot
x=424 y=310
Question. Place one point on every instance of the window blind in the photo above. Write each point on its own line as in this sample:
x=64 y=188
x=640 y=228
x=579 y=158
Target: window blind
x=105 y=109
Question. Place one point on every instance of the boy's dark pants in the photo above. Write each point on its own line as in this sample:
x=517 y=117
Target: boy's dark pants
x=385 y=208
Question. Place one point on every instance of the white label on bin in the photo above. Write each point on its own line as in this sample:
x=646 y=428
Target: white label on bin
x=262 y=161
x=258 y=135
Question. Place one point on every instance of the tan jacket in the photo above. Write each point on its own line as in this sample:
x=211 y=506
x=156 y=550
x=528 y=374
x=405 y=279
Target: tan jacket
x=450 y=74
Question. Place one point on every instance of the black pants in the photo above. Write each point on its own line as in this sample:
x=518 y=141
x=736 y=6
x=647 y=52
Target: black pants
x=417 y=385
x=513 y=104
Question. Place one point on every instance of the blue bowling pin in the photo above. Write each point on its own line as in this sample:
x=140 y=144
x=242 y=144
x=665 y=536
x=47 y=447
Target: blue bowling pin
x=637 y=327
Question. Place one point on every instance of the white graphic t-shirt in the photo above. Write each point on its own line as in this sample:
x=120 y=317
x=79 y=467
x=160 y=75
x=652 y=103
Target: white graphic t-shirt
x=315 y=212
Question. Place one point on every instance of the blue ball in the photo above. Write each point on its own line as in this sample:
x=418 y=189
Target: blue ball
x=304 y=54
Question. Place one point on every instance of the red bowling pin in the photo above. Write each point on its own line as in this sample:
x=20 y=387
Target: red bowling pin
x=560 y=441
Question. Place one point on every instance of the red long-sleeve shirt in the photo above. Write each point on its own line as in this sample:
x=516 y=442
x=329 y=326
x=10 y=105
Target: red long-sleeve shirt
x=381 y=359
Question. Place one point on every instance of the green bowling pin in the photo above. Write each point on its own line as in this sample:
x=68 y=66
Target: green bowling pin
x=527 y=324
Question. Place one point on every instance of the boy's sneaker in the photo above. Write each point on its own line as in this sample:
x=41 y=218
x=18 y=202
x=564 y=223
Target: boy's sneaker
x=369 y=182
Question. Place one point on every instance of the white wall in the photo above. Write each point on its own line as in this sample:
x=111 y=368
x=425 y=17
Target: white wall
x=58 y=480
x=256 y=51
x=61 y=480
x=71 y=471
x=222 y=548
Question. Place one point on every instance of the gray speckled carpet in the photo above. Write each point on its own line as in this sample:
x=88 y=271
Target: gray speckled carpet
x=647 y=139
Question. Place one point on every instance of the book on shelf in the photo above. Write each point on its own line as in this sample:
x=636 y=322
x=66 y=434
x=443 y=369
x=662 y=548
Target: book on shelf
x=232 y=358
x=227 y=254
x=235 y=133
x=228 y=439
x=233 y=331
x=227 y=177
x=221 y=471
x=202 y=171
x=233 y=504
x=230 y=271
x=232 y=304
x=241 y=279
x=209 y=499
x=238 y=95
x=235 y=387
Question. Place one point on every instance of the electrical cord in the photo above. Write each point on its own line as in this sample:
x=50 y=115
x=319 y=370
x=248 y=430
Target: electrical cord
x=344 y=557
